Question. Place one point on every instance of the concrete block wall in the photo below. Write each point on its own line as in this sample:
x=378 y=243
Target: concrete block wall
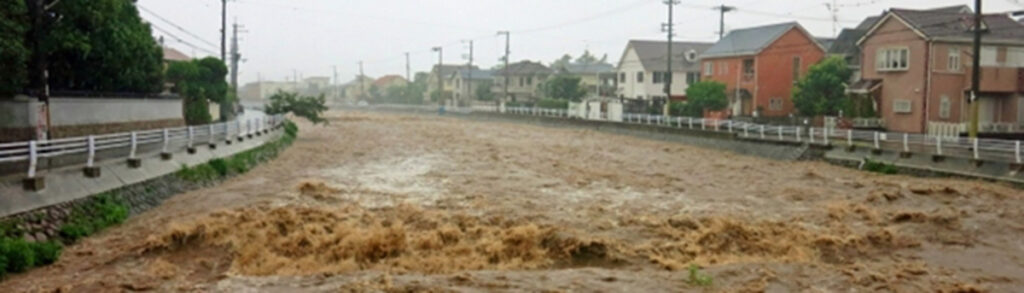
x=71 y=117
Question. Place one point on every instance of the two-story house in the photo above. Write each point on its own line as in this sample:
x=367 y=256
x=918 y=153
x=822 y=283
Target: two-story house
x=443 y=74
x=643 y=69
x=467 y=81
x=524 y=77
x=919 y=63
x=593 y=76
x=760 y=65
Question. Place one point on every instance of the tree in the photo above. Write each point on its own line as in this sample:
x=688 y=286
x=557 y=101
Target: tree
x=705 y=95
x=561 y=63
x=587 y=58
x=310 y=108
x=103 y=45
x=564 y=87
x=822 y=90
x=483 y=91
x=200 y=82
x=13 y=52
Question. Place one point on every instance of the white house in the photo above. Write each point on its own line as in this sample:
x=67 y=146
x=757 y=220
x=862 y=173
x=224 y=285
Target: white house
x=642 y=69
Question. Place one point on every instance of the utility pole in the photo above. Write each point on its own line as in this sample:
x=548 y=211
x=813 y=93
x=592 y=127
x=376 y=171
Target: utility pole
x=722 y=9
x=362 y=80
x=469 y=73
x=408 y=70
x=507 y=53
x=223 y=29
x=38 y=68
x=976 y=71
x=669 y=28
x=440 y=78
x=235 y=59
x=833 y=9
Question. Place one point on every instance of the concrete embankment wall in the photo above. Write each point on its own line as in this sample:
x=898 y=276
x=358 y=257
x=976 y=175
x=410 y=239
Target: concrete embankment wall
x=78 y=116
x=69 y=184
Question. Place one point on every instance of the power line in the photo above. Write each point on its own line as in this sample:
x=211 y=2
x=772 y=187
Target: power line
x=175 y=25
x=179 y=40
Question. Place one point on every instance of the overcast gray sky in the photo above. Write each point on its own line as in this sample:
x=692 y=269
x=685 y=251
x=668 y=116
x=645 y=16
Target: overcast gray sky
x=312 y=36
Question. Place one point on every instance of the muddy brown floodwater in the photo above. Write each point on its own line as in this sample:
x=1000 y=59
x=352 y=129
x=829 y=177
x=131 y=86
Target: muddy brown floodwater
x=388 y=202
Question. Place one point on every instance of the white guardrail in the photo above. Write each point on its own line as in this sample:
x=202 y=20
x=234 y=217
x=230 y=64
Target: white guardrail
x=997 y=150
x=164 y=140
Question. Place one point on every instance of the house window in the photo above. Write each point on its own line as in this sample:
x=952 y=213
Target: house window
x=775 y=104
x=640 y=77
x=903 y=106
x=709 y=69
x=944 y=107
x=748 y=69
x=529 y=80
x=796 y=69
x=893 y=59
x=658 y=77
x=954 y=59
x=622 y=77
x=692 y=77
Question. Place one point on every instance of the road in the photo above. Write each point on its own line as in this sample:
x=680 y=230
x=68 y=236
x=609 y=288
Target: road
x=389 y=202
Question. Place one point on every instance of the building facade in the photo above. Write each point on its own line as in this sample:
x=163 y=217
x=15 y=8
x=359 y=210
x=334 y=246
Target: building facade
x=919 y=63
x=524 y=77
x=642 y=69
x=760 y=65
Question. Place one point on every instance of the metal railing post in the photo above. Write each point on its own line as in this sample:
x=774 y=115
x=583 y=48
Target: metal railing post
x=166 y=141
x=938 y=145
x=135 y=144
x=191 y=135
x=849 y=137
x=976 y=153
x=798 y=131
x=746 y=130
x=703 y=124
x=92 y=152
x=690 y=121
x=210 y=130
x=825 y=137
x=33 y=158
x=679 y=122
x=1017 y=151
x=906 y=143
x=810 y=134
x=878 y=145
x=762 y=131
x=780 y=133
x=730 y=126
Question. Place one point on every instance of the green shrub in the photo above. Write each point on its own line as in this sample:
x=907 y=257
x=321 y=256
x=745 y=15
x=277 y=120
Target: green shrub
x=103 y=211
x=47 y=252
x=879 y=167
x=291 y=129
x=20 y=254
x=553 y=104
x=220 y=166
x=3 y=265
x=697 y=278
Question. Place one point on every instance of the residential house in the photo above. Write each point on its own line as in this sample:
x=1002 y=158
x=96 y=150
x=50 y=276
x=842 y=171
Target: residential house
x=845 y=45
x=524 y=77
x=918 y=62
x=642 y=69
x=445 y=72
x=760 y=65
x=171 y=54
x=390 y=81
x=596 y=78
x=357 y=89
x=465 y=83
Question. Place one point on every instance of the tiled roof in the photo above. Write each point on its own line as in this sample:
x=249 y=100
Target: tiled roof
x=749 y=41
x=475 y=74
x=388 y=80
x=170 y=54
x=577 y=68
x=527 y=68
x=956 y=23
x=846 y=43
x=653 y=54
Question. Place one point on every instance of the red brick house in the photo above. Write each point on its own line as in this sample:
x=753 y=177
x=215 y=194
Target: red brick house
x=759 y=66
x=918 y=62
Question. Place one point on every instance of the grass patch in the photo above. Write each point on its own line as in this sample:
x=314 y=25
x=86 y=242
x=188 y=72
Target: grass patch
x=879 y=167
x=239 y=163
x=698 y=278
x=102 y=211
x=18 y=255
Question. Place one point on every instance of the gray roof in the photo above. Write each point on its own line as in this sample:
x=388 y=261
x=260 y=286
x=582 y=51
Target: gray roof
x=577 y=68
x=749 y=41
x=475 y=74
x=825 y=42
x=653 y=54
x=956 y=22
x=846 y=43
x=448 y=70
x=528 y=68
